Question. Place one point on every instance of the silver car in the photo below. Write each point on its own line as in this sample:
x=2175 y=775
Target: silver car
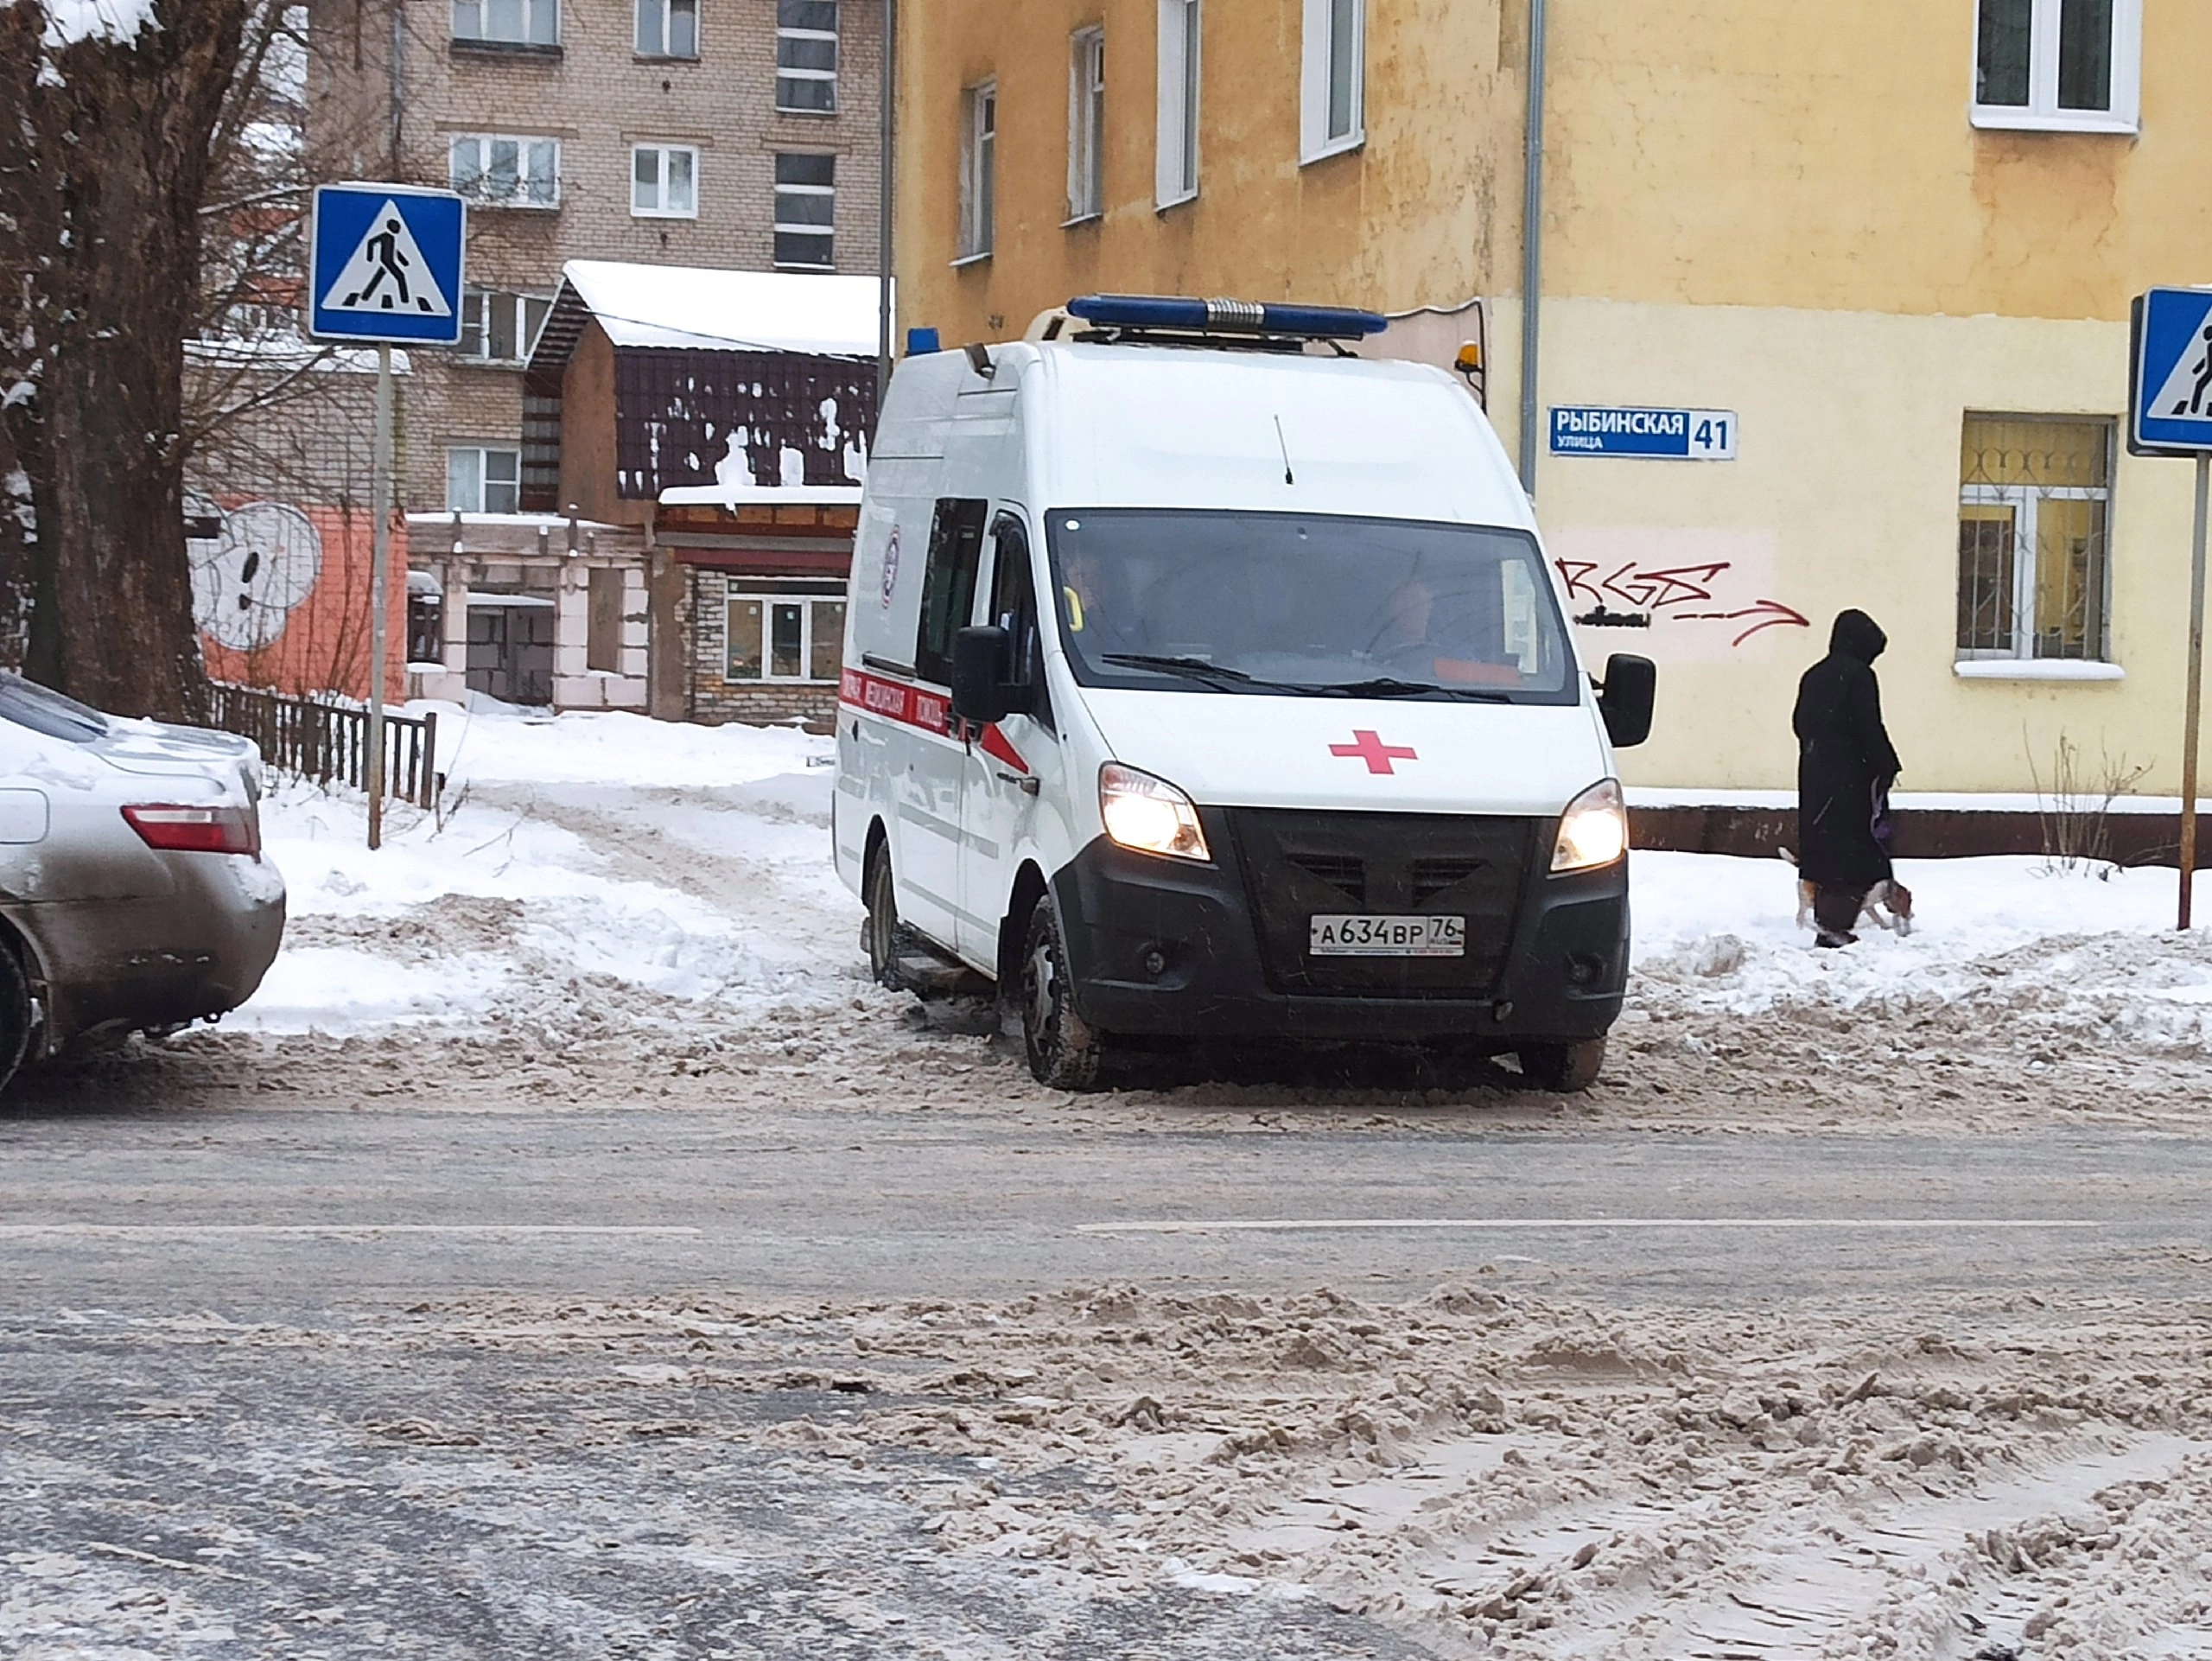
x=133 y=895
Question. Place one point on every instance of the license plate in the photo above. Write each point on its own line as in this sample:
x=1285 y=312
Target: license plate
x=1388 y=937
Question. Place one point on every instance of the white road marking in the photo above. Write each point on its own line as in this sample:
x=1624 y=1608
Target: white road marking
x=1291 y=1226
x=302 y=1231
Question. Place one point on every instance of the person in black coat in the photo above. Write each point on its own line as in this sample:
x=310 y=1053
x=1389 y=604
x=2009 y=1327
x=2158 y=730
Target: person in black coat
x=1845 y=767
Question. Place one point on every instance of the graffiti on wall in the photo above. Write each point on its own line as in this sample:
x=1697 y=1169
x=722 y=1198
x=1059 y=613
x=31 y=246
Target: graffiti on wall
x=1699 y=594
x=249 y=578
x=280 y=594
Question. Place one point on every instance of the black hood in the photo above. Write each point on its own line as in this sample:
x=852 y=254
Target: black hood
x=1857 y=635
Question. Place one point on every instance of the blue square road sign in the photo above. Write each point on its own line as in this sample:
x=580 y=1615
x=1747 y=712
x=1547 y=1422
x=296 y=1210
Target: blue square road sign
x=384 y=265
x=2170 y=373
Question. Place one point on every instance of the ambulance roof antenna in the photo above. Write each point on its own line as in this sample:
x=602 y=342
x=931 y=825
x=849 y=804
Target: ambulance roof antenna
x=1283 y=443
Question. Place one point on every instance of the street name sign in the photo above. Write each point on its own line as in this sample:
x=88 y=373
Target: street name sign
x=2170 y=373
x=1651 y=435
x=384 y=265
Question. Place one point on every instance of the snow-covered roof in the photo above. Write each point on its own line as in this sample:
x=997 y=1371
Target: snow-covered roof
x=741 y=494
x=722 y=311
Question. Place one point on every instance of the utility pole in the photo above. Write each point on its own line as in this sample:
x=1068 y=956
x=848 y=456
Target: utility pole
x=379 y=571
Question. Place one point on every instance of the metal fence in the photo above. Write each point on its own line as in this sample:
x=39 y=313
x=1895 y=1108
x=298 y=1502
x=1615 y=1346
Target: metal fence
x=311 y=739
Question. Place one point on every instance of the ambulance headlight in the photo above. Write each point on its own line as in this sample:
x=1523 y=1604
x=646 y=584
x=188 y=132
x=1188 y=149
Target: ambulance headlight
x=1593 y=831
x=1149 y=814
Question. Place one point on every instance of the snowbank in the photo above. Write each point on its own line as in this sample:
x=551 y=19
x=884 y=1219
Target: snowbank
x=690 y=865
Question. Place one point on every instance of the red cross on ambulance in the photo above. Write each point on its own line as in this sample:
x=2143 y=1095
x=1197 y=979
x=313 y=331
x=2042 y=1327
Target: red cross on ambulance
x=1369 y=747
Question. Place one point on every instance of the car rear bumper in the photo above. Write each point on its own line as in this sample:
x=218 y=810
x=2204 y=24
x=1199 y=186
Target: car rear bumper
x=1560 y=970
x=160 y=961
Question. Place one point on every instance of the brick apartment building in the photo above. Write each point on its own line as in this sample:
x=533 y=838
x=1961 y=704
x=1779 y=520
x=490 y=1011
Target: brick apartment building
x=740 y=134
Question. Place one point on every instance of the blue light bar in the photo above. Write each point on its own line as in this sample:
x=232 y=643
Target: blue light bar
x=1143 y=311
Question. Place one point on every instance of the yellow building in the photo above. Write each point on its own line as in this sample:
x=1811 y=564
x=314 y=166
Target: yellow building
x=1892 y=246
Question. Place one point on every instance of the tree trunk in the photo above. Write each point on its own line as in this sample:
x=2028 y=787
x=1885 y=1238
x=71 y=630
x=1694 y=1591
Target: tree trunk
x=104 y=178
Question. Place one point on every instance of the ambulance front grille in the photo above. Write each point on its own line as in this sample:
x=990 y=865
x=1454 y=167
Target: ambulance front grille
x=1299 y=864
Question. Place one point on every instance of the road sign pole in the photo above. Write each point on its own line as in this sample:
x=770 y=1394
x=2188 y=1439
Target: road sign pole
x=379 y=570
x=2196 y=689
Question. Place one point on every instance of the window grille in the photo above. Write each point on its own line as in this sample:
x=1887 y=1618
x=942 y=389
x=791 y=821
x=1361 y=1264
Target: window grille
x=2035 y=511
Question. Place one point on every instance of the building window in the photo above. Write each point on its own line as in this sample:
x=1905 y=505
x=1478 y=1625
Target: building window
x=498 y=327
x=784 y=636
x=2035 y=510
x=509 y=22
x=1086 y=123
x=806 y=56
x=1332 y=87
x=979 y=171
x=668 y=29
x=664 y=181
x=806 y=208
x=495 y=171
x=1176 y=156
x=2060 y=64
x=482 y=480
x=426 y=623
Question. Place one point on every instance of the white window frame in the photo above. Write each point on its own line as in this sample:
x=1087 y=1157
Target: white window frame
x=666 y=10
x=783 y=74
x=1086 y=125
x=483 y=452
x=479 y=192
x=1175 y=154
x=767 y=600
x=2041 y=112
x=660 y=185
x=482 y=302
x=827 y=233
x=979 y=146
x=532 y=12
x=1319 y=47
x=2027 y=548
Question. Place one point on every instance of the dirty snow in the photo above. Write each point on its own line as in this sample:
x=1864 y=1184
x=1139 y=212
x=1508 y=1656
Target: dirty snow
x=691 y=865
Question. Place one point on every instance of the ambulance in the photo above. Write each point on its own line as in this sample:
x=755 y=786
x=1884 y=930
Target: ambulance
x=1204 y=679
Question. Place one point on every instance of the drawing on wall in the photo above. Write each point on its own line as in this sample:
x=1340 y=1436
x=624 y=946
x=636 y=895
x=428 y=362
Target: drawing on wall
x=249 y=579
x=1705 y=594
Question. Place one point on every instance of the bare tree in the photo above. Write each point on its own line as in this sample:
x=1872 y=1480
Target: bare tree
x=124 y=113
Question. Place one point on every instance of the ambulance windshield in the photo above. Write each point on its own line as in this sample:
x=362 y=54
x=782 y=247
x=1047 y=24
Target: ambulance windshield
x=1276 y=604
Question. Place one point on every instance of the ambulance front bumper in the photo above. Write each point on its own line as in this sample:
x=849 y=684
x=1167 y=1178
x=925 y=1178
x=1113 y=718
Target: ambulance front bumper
x=1171 y=948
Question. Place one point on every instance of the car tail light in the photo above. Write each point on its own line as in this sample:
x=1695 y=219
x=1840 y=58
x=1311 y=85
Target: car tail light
x=177 y=829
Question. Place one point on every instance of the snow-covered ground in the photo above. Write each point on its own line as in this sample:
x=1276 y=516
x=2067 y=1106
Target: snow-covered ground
x=500 y=901
x=675 y=867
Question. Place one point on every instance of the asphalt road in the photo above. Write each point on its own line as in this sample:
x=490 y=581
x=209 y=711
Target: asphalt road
x=248 y=1201
x=227 y=1429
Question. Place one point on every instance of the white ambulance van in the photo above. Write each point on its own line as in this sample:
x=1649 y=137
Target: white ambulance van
x=1203 y=680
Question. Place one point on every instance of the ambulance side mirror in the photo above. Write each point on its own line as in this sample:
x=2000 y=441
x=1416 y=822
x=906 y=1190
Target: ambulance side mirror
x=1625 y=698
x=980 y=691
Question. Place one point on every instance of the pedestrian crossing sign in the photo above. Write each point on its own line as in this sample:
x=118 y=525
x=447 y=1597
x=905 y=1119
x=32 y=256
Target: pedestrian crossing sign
x=384 y=265
x=2170 y=373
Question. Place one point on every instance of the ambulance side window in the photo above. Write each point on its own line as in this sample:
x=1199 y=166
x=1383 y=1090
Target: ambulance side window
x=948 y=585
x=1013 y=609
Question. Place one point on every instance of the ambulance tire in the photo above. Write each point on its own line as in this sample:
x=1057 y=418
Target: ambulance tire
x=1063 y=1051
x=17 y=1020
x=882 y=933
x=1568 y=1069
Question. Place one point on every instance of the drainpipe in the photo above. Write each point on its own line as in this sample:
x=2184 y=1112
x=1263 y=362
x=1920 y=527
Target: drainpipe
x=1532 y=247
x=889 y=65
x=398 y=80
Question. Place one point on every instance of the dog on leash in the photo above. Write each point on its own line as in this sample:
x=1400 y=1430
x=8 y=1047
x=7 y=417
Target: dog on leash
x=1888 y=903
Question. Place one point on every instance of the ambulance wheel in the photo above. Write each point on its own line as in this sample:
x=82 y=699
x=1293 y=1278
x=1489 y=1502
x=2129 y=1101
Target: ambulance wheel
x=15 y=1017
x=1063 y=1052
x=1566 y=1068
x=883 y=934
